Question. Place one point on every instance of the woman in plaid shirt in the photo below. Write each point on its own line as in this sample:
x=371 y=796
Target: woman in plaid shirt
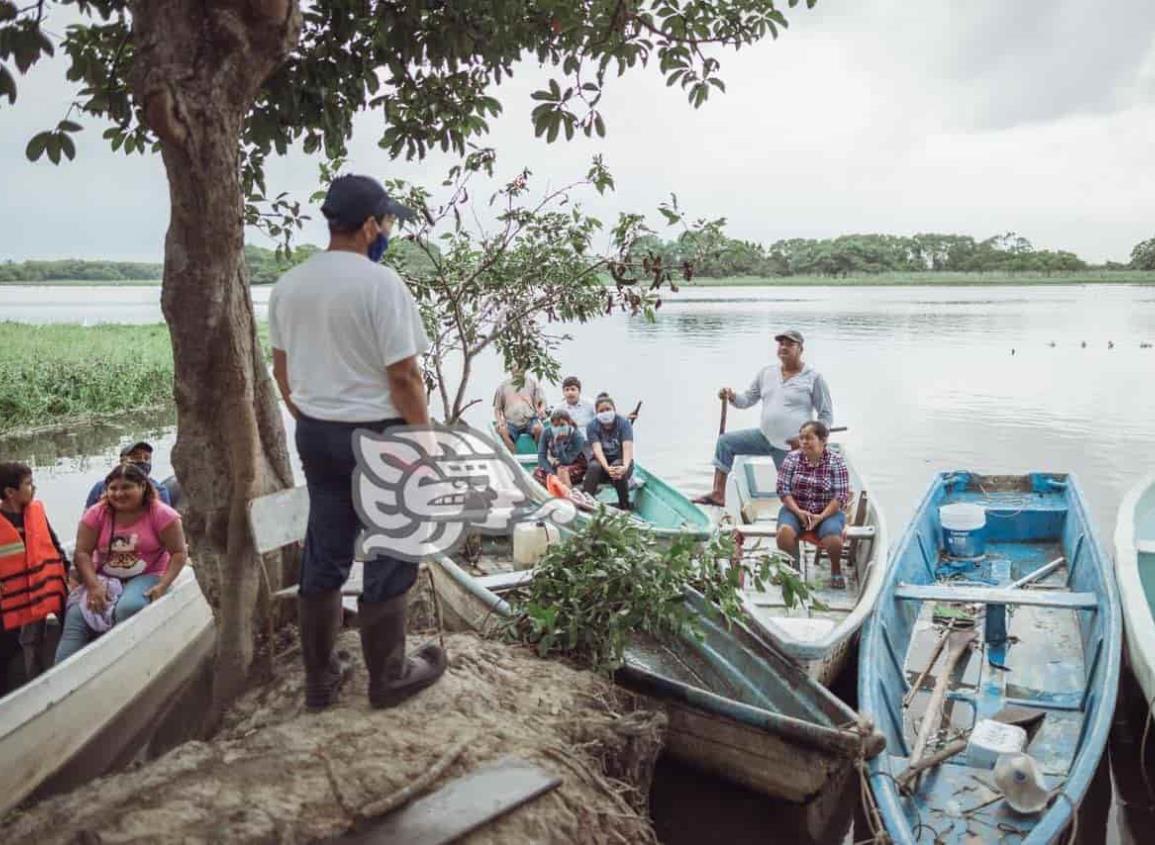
x=814 y=487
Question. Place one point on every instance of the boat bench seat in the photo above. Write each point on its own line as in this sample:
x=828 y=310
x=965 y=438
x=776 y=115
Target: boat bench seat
x=996 y=595
x=1147 y=547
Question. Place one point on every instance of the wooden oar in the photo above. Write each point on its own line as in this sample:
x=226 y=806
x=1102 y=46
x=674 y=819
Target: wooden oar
x=959 y=643
x=722 y=422
x=935 y=652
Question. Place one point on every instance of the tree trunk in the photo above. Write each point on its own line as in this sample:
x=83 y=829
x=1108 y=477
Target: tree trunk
x=197 y=70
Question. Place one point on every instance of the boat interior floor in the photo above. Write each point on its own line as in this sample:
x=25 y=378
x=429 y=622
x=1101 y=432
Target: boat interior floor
x=1041 y=666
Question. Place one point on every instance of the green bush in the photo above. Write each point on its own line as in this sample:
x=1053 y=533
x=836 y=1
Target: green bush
x=611 y=579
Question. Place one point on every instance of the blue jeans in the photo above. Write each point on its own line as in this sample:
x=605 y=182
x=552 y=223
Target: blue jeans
x=833 y=524
x=515 y=431
x=747 y=441
x=326 y=450
x=75 y=633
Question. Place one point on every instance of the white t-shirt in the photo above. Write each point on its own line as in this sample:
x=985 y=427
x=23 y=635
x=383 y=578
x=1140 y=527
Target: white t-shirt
x=341 y=320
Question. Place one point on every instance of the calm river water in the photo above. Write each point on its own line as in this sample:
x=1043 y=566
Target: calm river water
x=1003 y=379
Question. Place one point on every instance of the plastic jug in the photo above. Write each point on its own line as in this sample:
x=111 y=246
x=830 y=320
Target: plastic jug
x=530 y=540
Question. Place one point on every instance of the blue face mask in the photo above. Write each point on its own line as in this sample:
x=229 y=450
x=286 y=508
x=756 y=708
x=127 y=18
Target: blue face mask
x=378 y=247
x=562 y=431
x=606 y=417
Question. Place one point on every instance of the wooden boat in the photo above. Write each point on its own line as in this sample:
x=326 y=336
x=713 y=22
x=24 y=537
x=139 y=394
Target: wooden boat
x=667 y=512
x=818 y=639
x=1135 y=571
x=102 y=707
x=738 y=708
x=1044 y=568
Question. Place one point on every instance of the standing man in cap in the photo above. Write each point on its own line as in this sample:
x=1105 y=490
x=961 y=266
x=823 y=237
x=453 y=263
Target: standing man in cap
x=792 y=392
x=139 y=453
x=346 y=334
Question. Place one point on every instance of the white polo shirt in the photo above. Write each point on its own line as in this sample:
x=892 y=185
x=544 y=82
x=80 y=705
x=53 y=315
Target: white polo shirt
x=341 y=320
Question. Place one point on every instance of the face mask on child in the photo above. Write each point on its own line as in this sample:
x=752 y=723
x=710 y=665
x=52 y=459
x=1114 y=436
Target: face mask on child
x=606 y=417
x=562 y=431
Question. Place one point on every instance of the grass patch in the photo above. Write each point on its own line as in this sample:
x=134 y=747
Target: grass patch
x=56 y=374
x=1080 y=277
x=51 y=374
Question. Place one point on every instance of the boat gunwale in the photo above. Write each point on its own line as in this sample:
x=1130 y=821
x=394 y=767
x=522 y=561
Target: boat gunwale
x=1096 y=724
x=1138 y=614
x=41 y=693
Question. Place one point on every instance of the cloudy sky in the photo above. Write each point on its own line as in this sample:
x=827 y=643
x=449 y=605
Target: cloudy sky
x=898 y=116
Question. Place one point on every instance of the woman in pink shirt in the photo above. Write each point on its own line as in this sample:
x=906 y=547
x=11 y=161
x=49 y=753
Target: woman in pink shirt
x=130 y=536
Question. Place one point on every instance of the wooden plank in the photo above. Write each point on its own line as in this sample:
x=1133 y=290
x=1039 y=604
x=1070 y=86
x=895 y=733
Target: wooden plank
x=990 y=595
x=1146 y=547
x=462 y=805
x=279 y=519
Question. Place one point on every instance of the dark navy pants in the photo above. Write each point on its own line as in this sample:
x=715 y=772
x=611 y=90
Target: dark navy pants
x=326 y=450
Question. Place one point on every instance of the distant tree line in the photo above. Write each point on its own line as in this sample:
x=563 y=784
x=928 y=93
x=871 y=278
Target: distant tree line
x=865 y=254
x=845 y=255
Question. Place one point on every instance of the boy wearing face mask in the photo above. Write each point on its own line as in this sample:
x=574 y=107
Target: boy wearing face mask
x=561 y=451
x=140 y=454
x=612 y=439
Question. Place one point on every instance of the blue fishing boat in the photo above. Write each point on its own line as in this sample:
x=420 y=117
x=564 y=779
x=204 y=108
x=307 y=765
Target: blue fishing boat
x=667 y=511
x=737 y=708
x=1015 y=611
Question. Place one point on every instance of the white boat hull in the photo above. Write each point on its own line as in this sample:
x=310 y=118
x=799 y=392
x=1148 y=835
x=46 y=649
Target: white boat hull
x=1135 y=535
x=85 y=715
x=818 y=641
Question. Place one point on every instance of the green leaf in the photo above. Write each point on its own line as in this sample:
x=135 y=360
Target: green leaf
x=7 y=85
x=68 y=146
x=69 y=126
x=53 y=148
x=37 y=145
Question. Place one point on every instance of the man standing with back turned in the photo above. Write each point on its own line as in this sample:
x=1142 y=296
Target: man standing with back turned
x=346 y=334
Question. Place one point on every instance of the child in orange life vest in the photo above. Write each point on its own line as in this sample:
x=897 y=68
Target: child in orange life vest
x=33 y=574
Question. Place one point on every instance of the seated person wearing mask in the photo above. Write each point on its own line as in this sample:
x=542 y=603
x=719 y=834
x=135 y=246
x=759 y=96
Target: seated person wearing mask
x=560 y=452
x=140 y=454
x=612 y=439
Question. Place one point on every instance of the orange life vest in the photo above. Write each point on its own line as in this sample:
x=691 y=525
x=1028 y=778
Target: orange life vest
x=32 y=580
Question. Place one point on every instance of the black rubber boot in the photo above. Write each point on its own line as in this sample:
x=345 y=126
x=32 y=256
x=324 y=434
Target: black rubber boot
x=319 y=618
x=393 y=677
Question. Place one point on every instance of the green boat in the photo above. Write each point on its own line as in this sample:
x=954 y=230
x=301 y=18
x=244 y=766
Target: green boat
x=666 y=511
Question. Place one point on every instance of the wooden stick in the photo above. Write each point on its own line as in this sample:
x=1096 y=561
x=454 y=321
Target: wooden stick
x=944 y=753
x=722 y=422
x=416 y=786
x=1037 y=574
x=960 y=643
x=909 y=697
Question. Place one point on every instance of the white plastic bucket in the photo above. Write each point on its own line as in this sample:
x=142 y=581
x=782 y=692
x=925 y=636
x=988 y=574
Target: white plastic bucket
x=964 y=529
x=530 y=540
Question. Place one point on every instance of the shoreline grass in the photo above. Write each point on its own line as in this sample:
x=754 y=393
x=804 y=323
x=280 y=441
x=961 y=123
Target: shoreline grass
x=52 y=374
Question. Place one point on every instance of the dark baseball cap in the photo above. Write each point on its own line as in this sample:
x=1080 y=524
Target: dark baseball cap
x=140 y=444
x=790 y=334
x=352 y=199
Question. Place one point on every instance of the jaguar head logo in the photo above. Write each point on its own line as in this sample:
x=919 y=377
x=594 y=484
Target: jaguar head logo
x=421 y=491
